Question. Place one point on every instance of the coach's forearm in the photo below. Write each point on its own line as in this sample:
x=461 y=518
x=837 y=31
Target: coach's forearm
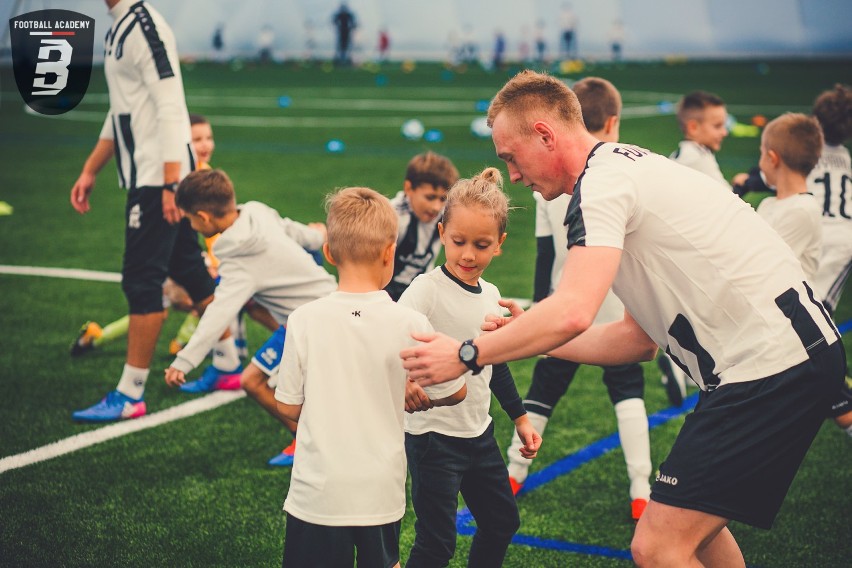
x=547 y=325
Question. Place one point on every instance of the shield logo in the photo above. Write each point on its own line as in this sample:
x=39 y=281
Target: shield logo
x=52 y=58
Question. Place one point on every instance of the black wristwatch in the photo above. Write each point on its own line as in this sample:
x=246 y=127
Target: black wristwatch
x=468 y=352
x=171 y=186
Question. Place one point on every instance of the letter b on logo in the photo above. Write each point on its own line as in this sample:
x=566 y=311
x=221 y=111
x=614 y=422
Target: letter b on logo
x=47 y=66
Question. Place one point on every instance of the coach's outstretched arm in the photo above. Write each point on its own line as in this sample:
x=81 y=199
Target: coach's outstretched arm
x=556 y=320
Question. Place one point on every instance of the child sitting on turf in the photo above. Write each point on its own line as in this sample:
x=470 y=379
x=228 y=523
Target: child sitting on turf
x=257 y=259
x=341 y=379
x=418 y=206
x=702 y=117
x=452 y=450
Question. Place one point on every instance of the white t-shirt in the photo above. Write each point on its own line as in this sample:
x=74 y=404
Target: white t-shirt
x=550 y=222
x=701 y=273
x=831 y=184
x=699 y=157
x=257 y=259
x=341 y=363
x=797 y=219
x=458 y=311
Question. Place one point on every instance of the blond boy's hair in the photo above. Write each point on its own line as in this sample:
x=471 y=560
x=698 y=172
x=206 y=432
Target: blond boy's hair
x=530 y=92
x=206 y=190
x=692 y=105
x=599 y=100
x=431 y=168
x=797 y=139
x=484 y=190
x=361 y=222
x=833 y=109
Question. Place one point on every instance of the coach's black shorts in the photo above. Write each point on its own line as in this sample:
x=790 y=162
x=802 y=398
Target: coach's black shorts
x=154 y=249
x=307 y=545
x=738 y=452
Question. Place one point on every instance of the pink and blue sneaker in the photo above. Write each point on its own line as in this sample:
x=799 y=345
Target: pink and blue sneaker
x=114 y=406
x=214 y=379
x=285 y=458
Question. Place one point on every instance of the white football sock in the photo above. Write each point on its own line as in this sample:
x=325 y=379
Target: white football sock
x=132 y=381
x=519 y=465
x=225 y=355
x=635 y=442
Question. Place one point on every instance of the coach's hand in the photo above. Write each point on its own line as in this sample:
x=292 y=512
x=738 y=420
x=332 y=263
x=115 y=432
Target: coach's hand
x=171 y=213
x=80 y=192
x=435 y=361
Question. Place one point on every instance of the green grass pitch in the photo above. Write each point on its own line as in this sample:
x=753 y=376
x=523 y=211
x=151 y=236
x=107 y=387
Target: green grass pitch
x=197 y=492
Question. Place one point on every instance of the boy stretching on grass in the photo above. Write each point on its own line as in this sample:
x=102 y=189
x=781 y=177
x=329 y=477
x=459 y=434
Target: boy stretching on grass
x=341 y=379
x=257 y=259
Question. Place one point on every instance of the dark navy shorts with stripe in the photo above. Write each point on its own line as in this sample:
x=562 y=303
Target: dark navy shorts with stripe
x=738 y=452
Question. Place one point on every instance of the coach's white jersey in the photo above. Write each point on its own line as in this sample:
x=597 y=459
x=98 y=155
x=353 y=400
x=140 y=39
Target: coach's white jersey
x=709 y=280
x=457 y=310
x=701 y=158
x=550 y=222
x=797 y=219
x=341 y=363
x=147 y=120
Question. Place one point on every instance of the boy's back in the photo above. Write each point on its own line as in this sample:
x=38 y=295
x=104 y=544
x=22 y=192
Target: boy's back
x=341 y=362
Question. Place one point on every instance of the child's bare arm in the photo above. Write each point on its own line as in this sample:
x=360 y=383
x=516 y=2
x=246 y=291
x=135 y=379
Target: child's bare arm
x=453 y=399
x=291 y=411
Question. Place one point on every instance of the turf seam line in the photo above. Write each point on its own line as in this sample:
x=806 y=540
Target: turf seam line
x=116 y=430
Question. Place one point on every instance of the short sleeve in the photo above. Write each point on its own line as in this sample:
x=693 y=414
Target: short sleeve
x=604 y=202
x=291 y=373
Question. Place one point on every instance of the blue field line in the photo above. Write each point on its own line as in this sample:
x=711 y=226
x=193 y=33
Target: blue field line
x=845 y=326
x=464 y=520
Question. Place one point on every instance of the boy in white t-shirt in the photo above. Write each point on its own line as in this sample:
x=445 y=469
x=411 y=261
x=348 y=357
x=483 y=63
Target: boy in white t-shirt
x=789 y=149
x=702 y=118
x=341 y=379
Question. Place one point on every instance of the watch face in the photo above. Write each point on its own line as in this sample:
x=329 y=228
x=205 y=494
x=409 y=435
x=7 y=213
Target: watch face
x=467 y=353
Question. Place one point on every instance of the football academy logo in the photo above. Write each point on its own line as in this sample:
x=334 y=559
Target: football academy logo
x=52 y=57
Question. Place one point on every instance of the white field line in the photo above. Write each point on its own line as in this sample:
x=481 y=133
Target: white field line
x=73 y=273
x=329 y=121
x=92 y=437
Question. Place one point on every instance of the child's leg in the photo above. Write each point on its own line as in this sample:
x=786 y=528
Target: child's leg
x=436 y=464
x=487 y=493
x=113 y=331
x=626 y=387
x=550 y=380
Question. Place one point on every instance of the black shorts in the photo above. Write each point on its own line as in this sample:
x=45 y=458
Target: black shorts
x=738 y=452
x=154 y=249
x=307 y=545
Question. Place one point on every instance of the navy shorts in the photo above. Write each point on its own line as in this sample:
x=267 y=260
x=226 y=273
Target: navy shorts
x=738 y=452
x=307 y=545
